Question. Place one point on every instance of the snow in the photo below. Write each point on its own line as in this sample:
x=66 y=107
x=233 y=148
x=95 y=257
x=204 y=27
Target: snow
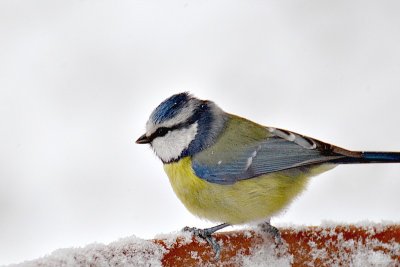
x=329 y=244
x=170 y=239
x=265 y=253
x=130 y=251
x=367 y=251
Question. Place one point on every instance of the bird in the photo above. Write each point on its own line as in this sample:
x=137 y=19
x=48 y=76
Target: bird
x=233 y=171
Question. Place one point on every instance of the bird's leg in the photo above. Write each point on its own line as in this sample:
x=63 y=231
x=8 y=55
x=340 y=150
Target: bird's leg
x=272 y=230
x=207 y=235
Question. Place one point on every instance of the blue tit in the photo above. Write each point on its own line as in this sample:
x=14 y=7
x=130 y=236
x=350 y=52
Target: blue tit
x=231 y=170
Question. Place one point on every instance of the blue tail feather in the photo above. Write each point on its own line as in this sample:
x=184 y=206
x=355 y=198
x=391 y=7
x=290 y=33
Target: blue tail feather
x=372 y=157
x=382 y=156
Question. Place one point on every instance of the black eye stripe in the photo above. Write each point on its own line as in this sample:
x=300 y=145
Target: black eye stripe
x=162 y=131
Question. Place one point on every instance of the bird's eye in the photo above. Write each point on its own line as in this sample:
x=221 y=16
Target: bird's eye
x=162 y=131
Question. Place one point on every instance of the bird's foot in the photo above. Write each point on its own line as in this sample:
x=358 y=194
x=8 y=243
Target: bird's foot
x=271 y=230
x=206 y=234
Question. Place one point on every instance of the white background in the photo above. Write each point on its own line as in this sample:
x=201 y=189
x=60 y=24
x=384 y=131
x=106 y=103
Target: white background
x=78 y=80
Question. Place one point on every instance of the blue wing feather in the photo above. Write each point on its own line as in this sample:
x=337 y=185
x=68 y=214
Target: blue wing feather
x=272 y=154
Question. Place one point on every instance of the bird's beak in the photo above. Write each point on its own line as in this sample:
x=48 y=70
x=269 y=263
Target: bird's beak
x=143 y=140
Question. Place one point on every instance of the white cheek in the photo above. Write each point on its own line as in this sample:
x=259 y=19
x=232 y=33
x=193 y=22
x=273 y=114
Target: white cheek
x=170 y=146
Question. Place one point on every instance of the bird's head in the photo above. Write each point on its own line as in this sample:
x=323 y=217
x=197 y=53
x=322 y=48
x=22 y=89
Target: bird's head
x=183 y=125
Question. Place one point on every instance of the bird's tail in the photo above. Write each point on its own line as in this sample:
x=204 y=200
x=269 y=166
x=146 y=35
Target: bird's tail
x=371 y=157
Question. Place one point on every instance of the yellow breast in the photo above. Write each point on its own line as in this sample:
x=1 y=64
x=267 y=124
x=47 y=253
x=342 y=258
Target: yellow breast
x=244 y=201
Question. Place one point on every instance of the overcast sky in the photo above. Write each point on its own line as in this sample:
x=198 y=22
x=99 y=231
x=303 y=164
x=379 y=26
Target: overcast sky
x=78 y=80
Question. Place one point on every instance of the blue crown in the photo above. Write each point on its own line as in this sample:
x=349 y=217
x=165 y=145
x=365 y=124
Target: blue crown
x=170 y=107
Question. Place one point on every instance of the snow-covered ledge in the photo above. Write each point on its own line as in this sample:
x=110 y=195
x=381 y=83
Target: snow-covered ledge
x=365 y=244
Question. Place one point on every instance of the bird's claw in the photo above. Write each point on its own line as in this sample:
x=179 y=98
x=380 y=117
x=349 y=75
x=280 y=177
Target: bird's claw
x=272 y=230
x=206 y=235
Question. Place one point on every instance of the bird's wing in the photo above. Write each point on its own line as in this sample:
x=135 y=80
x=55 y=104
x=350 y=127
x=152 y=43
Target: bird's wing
x=246 y=150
